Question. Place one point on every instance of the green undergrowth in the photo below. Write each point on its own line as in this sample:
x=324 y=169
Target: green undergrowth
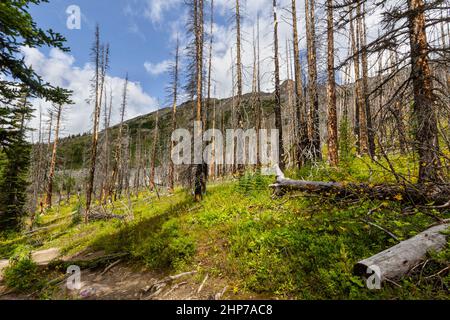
x=22 y=274
x=297 y=246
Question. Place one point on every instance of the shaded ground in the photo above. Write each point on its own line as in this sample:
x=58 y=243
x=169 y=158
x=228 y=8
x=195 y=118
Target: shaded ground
x=122 y=280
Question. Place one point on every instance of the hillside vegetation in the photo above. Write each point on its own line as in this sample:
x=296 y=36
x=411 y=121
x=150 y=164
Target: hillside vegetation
x=296 y=246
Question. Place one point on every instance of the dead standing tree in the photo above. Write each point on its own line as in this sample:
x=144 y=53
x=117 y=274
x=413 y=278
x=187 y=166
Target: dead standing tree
x=365 y=80
x=424 y=100
x=154 y=153
x=405 y=25
x=239 y=105
x=208 y=99
x=174 y=76
x=198 y=29
x=51 y=174
x=277 y=108
x=313 y=116
x=106 y=146
x=301 y=114
x=116 y=180
x=331 y=92
x=100 y=56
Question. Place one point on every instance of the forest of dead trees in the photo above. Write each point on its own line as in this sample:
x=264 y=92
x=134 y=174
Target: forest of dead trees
x=388 y=96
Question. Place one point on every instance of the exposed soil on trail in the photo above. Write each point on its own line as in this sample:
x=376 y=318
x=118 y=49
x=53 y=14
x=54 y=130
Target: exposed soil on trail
x=122 y=280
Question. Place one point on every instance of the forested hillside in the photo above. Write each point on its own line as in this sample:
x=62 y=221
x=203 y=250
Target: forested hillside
x=323 y=174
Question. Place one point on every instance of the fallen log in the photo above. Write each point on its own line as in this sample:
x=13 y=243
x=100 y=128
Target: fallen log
x=398 y=260
x=95 y=216
x=410 y=193
x=87 y=263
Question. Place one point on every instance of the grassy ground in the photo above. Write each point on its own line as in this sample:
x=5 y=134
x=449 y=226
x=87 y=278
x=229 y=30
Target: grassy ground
x=296 y=246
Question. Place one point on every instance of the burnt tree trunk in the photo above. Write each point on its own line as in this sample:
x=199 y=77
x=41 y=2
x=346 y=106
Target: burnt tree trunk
x=48 y=200
x=313 y=118
x=278 y=120
x=174 y=117
x=302 y=126
x=423 y=110
x=200 y=179
x=331 y=93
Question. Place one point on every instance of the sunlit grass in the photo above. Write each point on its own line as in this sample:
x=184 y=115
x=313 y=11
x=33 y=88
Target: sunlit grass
x=296 y=246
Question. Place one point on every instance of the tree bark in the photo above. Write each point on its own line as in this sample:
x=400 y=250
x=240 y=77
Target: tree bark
x=200 y=179
x=278 y=120
x=423 y=110
x=331 y=93
x=239 y=106
x=313 y=117
x=365 y=83
x=116 y=176
x=174 y=117
x=48 y=201
x=154 y=150
x=97 y=106
x=302 y=126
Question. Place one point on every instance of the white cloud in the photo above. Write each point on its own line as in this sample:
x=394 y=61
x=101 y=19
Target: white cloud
x=58 y=69
x=225 y=40
x=156 y=69
x=156 y=8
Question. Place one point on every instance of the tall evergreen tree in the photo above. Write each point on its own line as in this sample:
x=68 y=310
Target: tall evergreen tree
x=18 y=83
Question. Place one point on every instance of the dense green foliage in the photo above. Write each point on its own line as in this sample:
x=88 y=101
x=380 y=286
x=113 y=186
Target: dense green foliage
x=18 y=83
x=14 y=183
x=14 y=172
x=22 y=274
x=18 y=29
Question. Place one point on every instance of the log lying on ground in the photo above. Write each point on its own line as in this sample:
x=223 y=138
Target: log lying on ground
x=95 y=216
x=423 y=194
x=397 y=261
x=86 y=262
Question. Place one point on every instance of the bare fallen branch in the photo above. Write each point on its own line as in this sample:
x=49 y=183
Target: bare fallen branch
x=408 y=193
x=112 y=265
x=203 y=284
x=381 y=228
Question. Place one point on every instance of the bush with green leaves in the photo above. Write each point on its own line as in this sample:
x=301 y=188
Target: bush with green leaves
x=22 y=273
x=168 y=248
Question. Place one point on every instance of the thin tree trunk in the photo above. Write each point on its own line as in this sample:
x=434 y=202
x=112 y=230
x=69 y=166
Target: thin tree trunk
x=365 y=75
x=200 y=183
x=258 y=98
x=314 y=123
x=213 y=145
x=97 y=106
x=363 y=133
x=154 y=150
x=48 y=150
x=331 y=93
x=357 y=87
x=48 y=202
x=174 y=117
x=118 y=152
x=239 y=106
x=302 y=129
x=255 y=93
x=278 y=119
x=208 y=100
x=108 y=111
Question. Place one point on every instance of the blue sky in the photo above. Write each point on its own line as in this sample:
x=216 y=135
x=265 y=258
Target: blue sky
x=133 y=38
x=142 y=37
